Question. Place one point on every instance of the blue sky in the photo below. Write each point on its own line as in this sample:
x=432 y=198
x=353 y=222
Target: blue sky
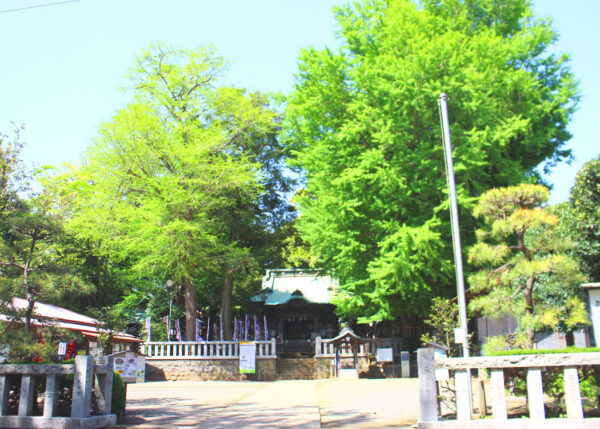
x=62 y=66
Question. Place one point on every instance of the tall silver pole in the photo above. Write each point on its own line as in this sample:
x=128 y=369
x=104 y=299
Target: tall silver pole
x=460 y=284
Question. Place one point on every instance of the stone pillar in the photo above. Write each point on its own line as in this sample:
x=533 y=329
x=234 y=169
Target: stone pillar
x=51 y=396
x=427 y=386
x=104 y=385
x=573 y=393
x=535 y=394
x=82 y=386
x=4 y=392
x=26 y=396
x=404 y=364
x=498 y=394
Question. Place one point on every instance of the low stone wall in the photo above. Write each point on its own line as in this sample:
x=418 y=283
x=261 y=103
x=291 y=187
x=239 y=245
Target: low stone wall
x=208 y=370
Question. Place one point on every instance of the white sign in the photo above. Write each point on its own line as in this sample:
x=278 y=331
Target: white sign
x=460 y=335
x=385 y=355
x=247 y=357
x=62 y=349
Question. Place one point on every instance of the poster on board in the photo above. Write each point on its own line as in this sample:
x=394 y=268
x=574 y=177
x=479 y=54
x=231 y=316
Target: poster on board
x=247 y=357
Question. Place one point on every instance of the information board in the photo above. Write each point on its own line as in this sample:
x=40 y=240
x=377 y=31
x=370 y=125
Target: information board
x=385 y=355
x=247 y=357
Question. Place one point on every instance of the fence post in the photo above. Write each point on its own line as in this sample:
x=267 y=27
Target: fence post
x=318 y=346
x=535 y=394
x=273 y=346
x=4 y=392
x=463 y=400
x=26 y=396
x=498 y=394
x=427 y=386
x=104 y=385
x=572 y=393
x=82 y=386
x=51 y=396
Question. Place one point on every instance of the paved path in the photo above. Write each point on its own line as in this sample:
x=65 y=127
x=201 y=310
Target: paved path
x=280 y=404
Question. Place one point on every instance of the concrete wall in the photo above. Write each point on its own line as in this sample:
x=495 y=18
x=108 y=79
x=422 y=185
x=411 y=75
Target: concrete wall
x=208 y=370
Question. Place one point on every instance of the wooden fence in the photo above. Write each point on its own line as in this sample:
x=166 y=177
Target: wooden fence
x=204 y=350
x=533 y=364
x=86 y=374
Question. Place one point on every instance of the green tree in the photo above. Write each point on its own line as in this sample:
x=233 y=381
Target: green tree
x=585 y=217
x=524 y=268
x=364 y=125
x=172 y=185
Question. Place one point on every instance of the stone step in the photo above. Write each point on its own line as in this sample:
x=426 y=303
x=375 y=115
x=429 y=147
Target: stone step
x=296 y=369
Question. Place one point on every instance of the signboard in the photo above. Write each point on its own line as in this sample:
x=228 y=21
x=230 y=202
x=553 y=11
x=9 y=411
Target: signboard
x=131 y=366
x=385 y=355
x=247 y=357
x=460 y=335
x=62 y=349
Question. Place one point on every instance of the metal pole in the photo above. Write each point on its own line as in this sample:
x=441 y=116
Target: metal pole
x=460 y=285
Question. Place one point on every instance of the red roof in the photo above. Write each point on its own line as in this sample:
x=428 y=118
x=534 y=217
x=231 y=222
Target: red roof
x=48 y=314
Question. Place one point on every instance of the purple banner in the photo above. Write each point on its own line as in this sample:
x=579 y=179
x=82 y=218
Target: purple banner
x=166 y=320
x=177 y=330
x=221 y=326
x=246 y=328
x=266 y=329
x=235 y=329
x=148 y=328
x=256 y=329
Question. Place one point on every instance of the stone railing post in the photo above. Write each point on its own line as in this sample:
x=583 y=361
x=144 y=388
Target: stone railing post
x=573 y=393
x=51 y=396
x=104 y=385
x=4 y=392
x=318 y=346
x=273 y=347
x=427 y=386
x=535 y=394
x=26 y=395
x=82 y=386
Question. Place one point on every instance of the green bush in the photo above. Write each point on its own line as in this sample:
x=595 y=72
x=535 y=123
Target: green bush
x=118 y=395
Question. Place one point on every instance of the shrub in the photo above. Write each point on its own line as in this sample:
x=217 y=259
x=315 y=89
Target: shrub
x=118 y=395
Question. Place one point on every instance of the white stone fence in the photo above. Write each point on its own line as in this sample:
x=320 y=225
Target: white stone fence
x=86 y=374
x=204 y=349
x=570 y=362
x=325 y=349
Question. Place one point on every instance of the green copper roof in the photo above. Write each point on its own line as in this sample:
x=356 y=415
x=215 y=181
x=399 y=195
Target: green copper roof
x=281 y=286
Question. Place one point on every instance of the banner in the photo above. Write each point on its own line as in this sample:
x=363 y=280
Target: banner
x=235 y=329
x=221 y=326
x=266 y=329
x=199 y=330
x=247 y=357
x=246 y=328
x=177 y=330
x=166 y=320
x=148 y=329
x=208 y=329
x=70 y=350
x=256 y=329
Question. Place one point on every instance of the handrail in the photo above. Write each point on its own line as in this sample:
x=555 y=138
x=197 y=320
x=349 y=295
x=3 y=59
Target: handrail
x=204 y=349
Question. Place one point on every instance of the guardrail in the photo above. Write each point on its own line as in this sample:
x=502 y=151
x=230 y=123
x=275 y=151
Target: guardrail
x=204 y=350
x=496 y=365
x=86 y=374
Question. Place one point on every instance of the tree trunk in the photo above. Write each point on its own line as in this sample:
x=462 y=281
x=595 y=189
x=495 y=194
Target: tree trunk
x=528 y=297
x=226 y=293
x=190 y=310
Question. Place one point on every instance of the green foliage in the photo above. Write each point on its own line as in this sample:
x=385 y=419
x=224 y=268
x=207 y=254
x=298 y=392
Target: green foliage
x=118 y=395
x=185 y=183
x=523 y=268
x=443 y=318
x=364 y=125
x=28 y=346
x=584 y=217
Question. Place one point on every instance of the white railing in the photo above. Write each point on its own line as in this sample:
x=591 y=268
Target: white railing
x=534 y=364
x=204 y=350
x=326 y=349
